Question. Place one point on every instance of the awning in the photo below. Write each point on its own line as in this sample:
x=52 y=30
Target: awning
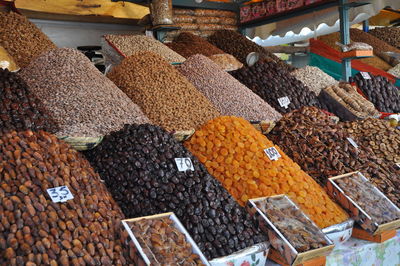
x=324 y=21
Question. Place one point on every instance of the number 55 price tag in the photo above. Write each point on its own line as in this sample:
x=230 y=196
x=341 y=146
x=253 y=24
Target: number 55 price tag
x=184 y=164
x=272 y=153
x=60 y=194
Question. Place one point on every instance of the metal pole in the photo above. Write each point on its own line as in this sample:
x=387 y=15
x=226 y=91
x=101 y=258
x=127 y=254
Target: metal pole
x=345 y=36
x=366 y=25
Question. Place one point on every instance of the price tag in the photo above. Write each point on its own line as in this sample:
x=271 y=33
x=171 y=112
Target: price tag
x=184 y=164
x=284 y=102
x=272 y=153
x=365 y=75
x=398 y=165
x=60 y=194
x=352 y=142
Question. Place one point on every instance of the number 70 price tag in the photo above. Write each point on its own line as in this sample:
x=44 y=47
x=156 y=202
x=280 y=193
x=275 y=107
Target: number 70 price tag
x=272 y=153
x=60 y=194
x=184 y=164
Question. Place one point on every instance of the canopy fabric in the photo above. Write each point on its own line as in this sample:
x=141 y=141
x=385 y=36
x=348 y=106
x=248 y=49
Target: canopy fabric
x=324 y=20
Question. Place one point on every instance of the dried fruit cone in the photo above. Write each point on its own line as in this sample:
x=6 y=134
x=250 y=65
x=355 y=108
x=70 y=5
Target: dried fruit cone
x=233 y=151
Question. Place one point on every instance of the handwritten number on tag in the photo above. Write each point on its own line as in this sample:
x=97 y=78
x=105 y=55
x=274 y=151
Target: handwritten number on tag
x=184 y=164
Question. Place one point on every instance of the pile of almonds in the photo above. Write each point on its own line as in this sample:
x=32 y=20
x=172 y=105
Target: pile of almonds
x=34 y=230
x=164 y=95
x=323 y=150
x=22 y=39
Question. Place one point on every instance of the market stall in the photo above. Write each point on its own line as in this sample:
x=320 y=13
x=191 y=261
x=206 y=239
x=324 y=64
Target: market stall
x=203 y=149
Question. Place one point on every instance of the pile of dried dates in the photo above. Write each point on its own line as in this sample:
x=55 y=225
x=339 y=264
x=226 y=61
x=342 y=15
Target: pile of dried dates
x=139 y=168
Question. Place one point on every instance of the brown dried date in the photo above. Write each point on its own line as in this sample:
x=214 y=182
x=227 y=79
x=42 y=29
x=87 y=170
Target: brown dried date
x=36 y=231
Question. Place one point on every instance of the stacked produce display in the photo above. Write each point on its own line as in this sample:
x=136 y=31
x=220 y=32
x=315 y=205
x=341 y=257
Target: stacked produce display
x=225 y=191
x=36 y=228
x=228 y=95
x=273 y=84
x=234 y=152
x=139 y=167
x=324 y=150
x=168 y=98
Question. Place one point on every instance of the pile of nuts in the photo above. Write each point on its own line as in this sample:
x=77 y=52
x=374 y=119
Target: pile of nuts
x=365 y=194
x=234 y=152
x=269 y=81
x=390 y=35
x=164 y=95
x=347 y=95
x=301 y=233
x=22 y=39
x=163 y=243
x=227 y=94
x=380 y=91
x=19 y=108
x=188 y=44
x=34 y=230
x=314 y=78
x=378 y=135
x=131 y=44
x=323 y=150
x=236 y=44
x=139 y=168
x=83 y=102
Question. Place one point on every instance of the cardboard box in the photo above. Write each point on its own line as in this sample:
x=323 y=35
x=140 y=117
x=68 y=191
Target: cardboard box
x=365 y=221
x=141 y=258
x=278 y=240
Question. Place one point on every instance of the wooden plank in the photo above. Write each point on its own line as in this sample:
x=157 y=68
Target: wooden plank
x=121 y=10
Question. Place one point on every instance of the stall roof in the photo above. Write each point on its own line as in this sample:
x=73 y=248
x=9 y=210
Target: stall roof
x=324 y=22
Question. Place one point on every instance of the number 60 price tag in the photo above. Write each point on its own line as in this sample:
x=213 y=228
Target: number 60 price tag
x=60 y=194
x=184 y=164
x=272 y=153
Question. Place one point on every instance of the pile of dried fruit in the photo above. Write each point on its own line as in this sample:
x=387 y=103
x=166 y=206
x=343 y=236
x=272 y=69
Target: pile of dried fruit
x=82 y=101
x=380 y=91
x=347 y=96
x=163 y=243
x=233 y=151
x=369 y=199
x=314 y=78
x=236 y=44
x=323 y=150
x=131 y=44
x=19 y=108
x=227 y=94
x=85 y=230
x=390 y=35
x=378 y=135
x=164 y=95
x=22 y=39
x=139 y=168
x=271 y=83
x=187 y=44
x=301 y=233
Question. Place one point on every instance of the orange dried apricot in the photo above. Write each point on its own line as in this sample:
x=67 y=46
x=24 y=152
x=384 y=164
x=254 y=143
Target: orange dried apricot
x=239 y=162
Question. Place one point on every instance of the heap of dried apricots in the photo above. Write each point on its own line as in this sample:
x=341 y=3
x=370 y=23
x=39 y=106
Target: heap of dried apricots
x=233 y=152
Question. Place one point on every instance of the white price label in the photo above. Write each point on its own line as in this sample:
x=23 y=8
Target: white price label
x=184 y=164
x=272 y=153
x=352 y=142
x=60 y=194
x=398 y=165
x=284 y=102
x=365 y=75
